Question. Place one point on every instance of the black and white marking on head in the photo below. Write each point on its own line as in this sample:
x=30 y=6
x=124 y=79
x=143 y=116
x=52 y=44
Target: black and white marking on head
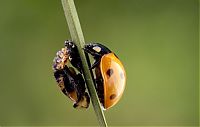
x=97 y=48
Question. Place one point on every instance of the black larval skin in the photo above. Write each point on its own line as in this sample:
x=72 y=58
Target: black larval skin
x=74 y=57
x=72 y=82
x=67 y=78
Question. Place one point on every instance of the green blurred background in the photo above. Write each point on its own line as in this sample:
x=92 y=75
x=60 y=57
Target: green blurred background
x=157 y=41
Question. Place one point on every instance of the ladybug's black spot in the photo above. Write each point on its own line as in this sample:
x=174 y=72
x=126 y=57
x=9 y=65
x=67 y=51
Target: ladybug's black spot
x=109 y=72
x=112 y=96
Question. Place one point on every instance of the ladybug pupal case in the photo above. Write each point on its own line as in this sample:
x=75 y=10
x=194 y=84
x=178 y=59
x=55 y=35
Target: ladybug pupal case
x=72 y=84
x=109 y=72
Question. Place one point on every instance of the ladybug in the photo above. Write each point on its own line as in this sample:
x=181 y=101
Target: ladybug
x=71 y=83
x=110 y=75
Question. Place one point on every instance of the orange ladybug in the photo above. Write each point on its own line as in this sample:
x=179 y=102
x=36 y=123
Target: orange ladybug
x=110 y=75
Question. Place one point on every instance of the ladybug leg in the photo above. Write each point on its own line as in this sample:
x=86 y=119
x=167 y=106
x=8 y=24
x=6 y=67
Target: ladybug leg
x=97 y=57
x=99 y=84
x=95 y=64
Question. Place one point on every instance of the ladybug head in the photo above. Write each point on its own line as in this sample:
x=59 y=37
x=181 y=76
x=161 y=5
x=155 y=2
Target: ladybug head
x=96 y=49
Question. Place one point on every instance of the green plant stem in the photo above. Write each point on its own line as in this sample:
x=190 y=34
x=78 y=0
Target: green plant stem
x=78 y=38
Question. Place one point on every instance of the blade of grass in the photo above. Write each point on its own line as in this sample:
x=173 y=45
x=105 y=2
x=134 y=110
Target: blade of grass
x=78 y=38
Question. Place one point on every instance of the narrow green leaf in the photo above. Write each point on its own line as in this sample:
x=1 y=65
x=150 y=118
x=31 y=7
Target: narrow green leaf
x=78 y=38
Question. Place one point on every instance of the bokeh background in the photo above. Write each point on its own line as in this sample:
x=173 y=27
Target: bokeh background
x=157 y=41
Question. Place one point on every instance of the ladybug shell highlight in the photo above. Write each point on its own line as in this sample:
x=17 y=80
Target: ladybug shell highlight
x=114 y=79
